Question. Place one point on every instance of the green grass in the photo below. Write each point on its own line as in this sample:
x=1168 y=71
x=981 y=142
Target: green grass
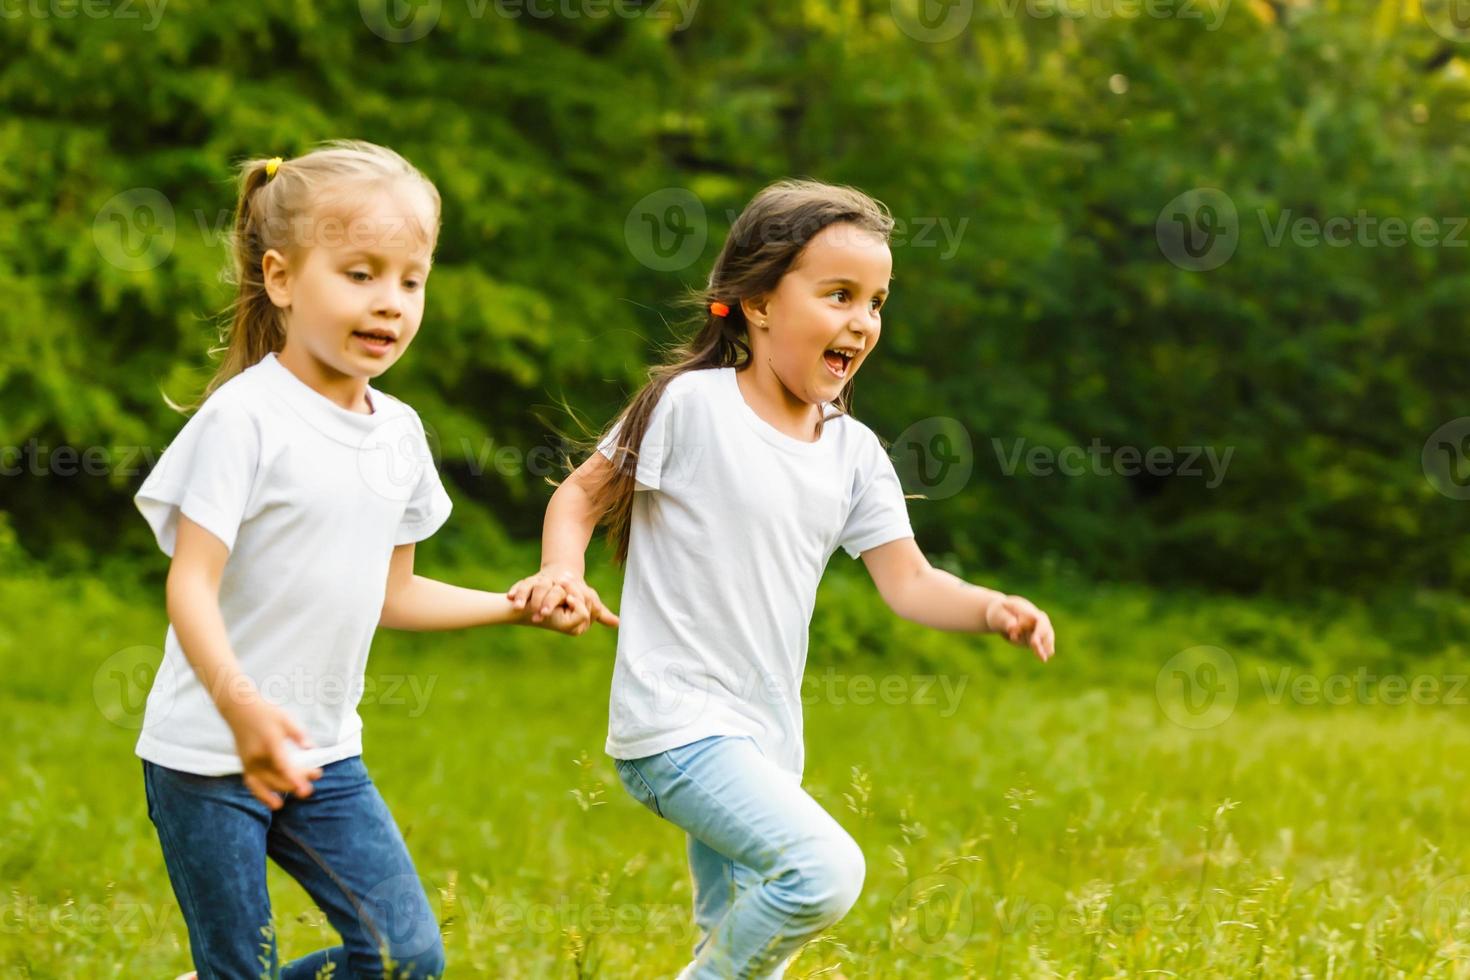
x=1074 y=820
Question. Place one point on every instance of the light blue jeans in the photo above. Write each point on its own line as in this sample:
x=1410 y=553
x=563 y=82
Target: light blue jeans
x=771 y=868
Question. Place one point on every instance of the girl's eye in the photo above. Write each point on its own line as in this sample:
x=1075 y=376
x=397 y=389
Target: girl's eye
x=839 y=292
x=413 y=284
x=356 y=275
x=877 y=303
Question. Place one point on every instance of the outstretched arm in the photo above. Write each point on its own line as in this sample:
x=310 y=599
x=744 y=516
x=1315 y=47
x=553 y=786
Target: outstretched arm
x=932 y=597
x=413 y=602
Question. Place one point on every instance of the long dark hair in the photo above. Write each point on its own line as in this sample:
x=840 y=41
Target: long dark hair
x=764 y=243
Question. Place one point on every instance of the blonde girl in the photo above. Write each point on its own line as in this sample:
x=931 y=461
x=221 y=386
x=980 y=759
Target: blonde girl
x=289 y=505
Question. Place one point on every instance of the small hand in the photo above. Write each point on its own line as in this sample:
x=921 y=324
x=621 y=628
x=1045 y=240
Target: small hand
x=261 y=733
x=1023 y=624
x=550 y=588
x=570 y=617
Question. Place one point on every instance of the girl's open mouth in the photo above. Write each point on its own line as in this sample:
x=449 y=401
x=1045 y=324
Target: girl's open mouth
x=374 y=341
x=838 y=362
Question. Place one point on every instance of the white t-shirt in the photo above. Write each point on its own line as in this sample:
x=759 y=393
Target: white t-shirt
x=311 y=499
x=732 y=526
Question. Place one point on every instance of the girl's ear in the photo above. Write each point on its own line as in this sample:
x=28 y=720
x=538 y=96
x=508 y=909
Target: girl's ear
x=755 y=310
x=276 y=276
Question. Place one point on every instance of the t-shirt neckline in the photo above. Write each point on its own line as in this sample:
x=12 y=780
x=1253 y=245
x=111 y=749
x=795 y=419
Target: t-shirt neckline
x=769 y=432
x=319 y=411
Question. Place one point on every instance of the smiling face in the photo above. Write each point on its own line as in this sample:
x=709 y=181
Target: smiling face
x=353 y=288
x=824 y=318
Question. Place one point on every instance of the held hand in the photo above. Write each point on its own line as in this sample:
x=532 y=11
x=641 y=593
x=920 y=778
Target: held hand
x=261 y=733
x=1023 y=624
x=550 y=588
x=571 y=617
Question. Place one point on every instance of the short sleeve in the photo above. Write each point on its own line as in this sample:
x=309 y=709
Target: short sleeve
x=429 y=504
x=207 y=474
x=658 y=443
x=879 y=513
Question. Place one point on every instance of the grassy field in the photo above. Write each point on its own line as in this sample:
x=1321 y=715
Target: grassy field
x=1284 y=816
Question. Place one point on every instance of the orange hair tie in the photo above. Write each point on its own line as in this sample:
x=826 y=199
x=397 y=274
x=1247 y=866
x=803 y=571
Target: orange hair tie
x=719 y=309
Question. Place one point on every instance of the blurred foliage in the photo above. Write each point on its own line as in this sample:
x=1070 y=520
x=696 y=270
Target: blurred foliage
x=1029 y=158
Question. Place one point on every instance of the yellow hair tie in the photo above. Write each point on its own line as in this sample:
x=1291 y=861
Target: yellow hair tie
x=271 y=166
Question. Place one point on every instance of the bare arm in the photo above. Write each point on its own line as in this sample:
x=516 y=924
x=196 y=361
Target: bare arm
x=413 y=602
x=260 y=728
x=921 y=593
x=571 y=518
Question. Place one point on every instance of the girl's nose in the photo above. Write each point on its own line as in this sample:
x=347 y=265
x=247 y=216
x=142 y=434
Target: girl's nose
x=390 y=304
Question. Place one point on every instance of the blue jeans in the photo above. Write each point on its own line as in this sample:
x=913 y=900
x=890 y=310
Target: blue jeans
x=340 y=844
x=771 y=868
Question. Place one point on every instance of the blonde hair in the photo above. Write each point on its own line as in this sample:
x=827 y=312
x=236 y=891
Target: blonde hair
x=271 y=214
